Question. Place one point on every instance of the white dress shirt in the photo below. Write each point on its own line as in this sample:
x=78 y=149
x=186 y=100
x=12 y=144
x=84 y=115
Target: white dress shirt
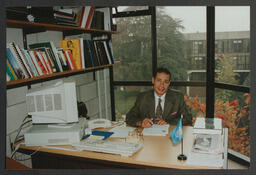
x=162 y=101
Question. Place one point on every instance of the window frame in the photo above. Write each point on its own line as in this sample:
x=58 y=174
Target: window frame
x=210 y=83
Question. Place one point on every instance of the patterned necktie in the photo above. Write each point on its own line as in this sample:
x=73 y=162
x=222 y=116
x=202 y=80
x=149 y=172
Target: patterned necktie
x=159 y=111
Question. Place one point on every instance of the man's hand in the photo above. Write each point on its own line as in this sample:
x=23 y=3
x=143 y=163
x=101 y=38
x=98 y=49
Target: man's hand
x=160 y=121
x=147 y=122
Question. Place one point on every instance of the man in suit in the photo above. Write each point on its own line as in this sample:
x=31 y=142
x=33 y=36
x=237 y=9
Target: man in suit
x=160 y=105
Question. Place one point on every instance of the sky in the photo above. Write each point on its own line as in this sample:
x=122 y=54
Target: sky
x=228 y=18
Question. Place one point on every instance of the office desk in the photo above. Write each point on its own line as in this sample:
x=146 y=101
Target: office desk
x=157 y=152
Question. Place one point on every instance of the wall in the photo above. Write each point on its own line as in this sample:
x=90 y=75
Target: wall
x=89 y=90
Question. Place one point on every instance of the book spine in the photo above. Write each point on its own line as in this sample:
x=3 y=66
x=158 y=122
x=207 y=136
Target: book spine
x=42 y=62
x=89 y=18
x=18 y=59
x=71 y=59
x=96 y=54
x=82 y=52
x=24 y=60
x=10 y=71
x=90 y=53
x=35 y=61
x=47 y=61
x=85 y=16
x=31 y=65
x=56 y=56
x=53 y=62
x=70 y=65
x=14 y=63
x=107 y=52
x=63 y=61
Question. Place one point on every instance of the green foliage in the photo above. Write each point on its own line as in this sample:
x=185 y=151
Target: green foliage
x=225 y=74
x=133 y=47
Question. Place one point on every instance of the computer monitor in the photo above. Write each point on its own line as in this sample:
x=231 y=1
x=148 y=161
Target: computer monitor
x=55 y=103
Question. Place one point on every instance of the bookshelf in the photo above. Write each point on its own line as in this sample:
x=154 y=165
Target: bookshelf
x=48 y=77
x=34 y=27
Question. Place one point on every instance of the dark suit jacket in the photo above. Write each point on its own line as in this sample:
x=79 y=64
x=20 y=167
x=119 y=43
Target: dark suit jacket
x=145 y=108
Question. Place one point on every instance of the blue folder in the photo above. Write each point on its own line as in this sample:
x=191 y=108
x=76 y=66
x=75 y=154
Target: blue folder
x=100 y=133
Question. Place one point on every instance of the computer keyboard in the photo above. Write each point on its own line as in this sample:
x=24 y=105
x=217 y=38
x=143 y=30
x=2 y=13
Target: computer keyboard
x=107 y=146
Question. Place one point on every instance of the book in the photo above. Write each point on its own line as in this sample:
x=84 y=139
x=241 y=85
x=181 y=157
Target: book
x=10 y=71
x=42 y=61
x=82 y=52
x=17 y=70
x=29 y=60
x=24 y=60
x=107 y=52
x=92 y=55
x=16 y=56
x=106 y=17
x=62 y=58
x=98 y=20
x=74 y=46
x=52 y=60
x=53 y=52
x=87 y=54
x=208 y=126
x=35 y=59
x=70 y=60
x=48 y=63
x=86 y=13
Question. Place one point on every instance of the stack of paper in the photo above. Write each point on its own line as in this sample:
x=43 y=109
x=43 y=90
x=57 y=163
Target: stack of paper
x=121 y=132
x=156 y=130
x=208 y=126
x=201 y=159
x=208 y=143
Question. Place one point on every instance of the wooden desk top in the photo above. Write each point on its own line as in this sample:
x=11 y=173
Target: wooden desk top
x=157 y=152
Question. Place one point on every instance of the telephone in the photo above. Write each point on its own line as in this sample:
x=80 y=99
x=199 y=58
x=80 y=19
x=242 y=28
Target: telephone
x=99 y=123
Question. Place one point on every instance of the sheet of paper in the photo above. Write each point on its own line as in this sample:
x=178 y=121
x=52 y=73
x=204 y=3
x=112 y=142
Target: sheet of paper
x=201 y=159
x=121 y=132
x=156 y=130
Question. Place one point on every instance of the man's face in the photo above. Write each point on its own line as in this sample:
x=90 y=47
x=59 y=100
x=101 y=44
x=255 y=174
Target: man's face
x=161 y=83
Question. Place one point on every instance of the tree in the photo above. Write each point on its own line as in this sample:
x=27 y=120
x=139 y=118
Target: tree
x=133 y=47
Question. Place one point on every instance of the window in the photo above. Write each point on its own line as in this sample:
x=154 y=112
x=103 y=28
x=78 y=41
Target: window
x=181 y=40
x=132 y=46
x=232 y=68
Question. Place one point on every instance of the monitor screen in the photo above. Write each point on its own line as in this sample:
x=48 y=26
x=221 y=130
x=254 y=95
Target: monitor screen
x=55 y=103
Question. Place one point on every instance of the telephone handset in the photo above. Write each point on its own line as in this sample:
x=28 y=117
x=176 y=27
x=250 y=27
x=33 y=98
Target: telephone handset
x=99 y=123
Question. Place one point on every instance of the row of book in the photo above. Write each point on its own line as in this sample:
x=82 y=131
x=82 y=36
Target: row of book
x=87 y=17
x=44 y=58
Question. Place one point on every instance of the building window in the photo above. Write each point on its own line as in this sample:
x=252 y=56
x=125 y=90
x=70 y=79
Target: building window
x=237 y=46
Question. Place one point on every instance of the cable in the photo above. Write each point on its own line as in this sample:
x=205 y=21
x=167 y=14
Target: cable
x=29 y=155
x=24 y=122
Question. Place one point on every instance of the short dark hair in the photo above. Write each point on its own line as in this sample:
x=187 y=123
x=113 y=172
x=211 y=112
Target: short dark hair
x=162 y=70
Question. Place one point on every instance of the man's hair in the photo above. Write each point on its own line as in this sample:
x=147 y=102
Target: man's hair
x=162 y=70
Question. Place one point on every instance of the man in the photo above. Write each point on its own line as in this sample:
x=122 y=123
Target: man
x=160 y=105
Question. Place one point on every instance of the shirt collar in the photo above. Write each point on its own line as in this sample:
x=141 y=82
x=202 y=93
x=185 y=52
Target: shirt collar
x=162 y=97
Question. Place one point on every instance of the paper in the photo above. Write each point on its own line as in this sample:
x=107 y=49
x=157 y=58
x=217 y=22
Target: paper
x=208 y=126
x=201 y=159
x=96 y=137
x=121 y=132
x=208 y=143
x=156 y=130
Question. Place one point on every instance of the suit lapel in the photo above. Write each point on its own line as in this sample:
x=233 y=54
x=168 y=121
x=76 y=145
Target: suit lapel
x=151 y=105
x=168 y=105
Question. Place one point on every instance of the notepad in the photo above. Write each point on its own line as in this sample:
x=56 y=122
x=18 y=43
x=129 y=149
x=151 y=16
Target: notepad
x=156 y=130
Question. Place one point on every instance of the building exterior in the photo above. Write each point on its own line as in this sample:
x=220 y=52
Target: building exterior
x=234 y=45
